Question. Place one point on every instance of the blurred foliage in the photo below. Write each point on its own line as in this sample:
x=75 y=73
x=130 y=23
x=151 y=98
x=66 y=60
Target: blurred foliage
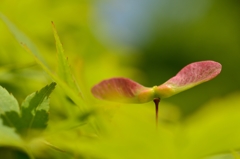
x=147 y=41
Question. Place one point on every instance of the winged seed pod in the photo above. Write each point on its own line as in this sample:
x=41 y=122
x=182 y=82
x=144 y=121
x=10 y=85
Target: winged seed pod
x=127 y=91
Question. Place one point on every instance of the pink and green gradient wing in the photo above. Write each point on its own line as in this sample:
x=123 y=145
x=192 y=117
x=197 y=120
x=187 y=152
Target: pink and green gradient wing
x=188 y=77
x=122 y=90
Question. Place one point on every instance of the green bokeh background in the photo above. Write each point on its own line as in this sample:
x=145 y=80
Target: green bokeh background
x=149 y=48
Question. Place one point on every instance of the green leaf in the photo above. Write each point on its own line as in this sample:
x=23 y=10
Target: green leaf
x=10 y=139
x=28 y=47
x=69 y=91
x=7 y=102
x=35 y=109
x=9 y=108
x=8 y=136
x=213 y=129
x=235 y=154
x=64 y=70
x=22 y=38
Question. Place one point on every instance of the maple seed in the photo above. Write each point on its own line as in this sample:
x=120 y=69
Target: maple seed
x=127 y=91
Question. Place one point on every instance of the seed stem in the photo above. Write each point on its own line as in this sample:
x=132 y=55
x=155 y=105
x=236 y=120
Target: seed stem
x=156 y=101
